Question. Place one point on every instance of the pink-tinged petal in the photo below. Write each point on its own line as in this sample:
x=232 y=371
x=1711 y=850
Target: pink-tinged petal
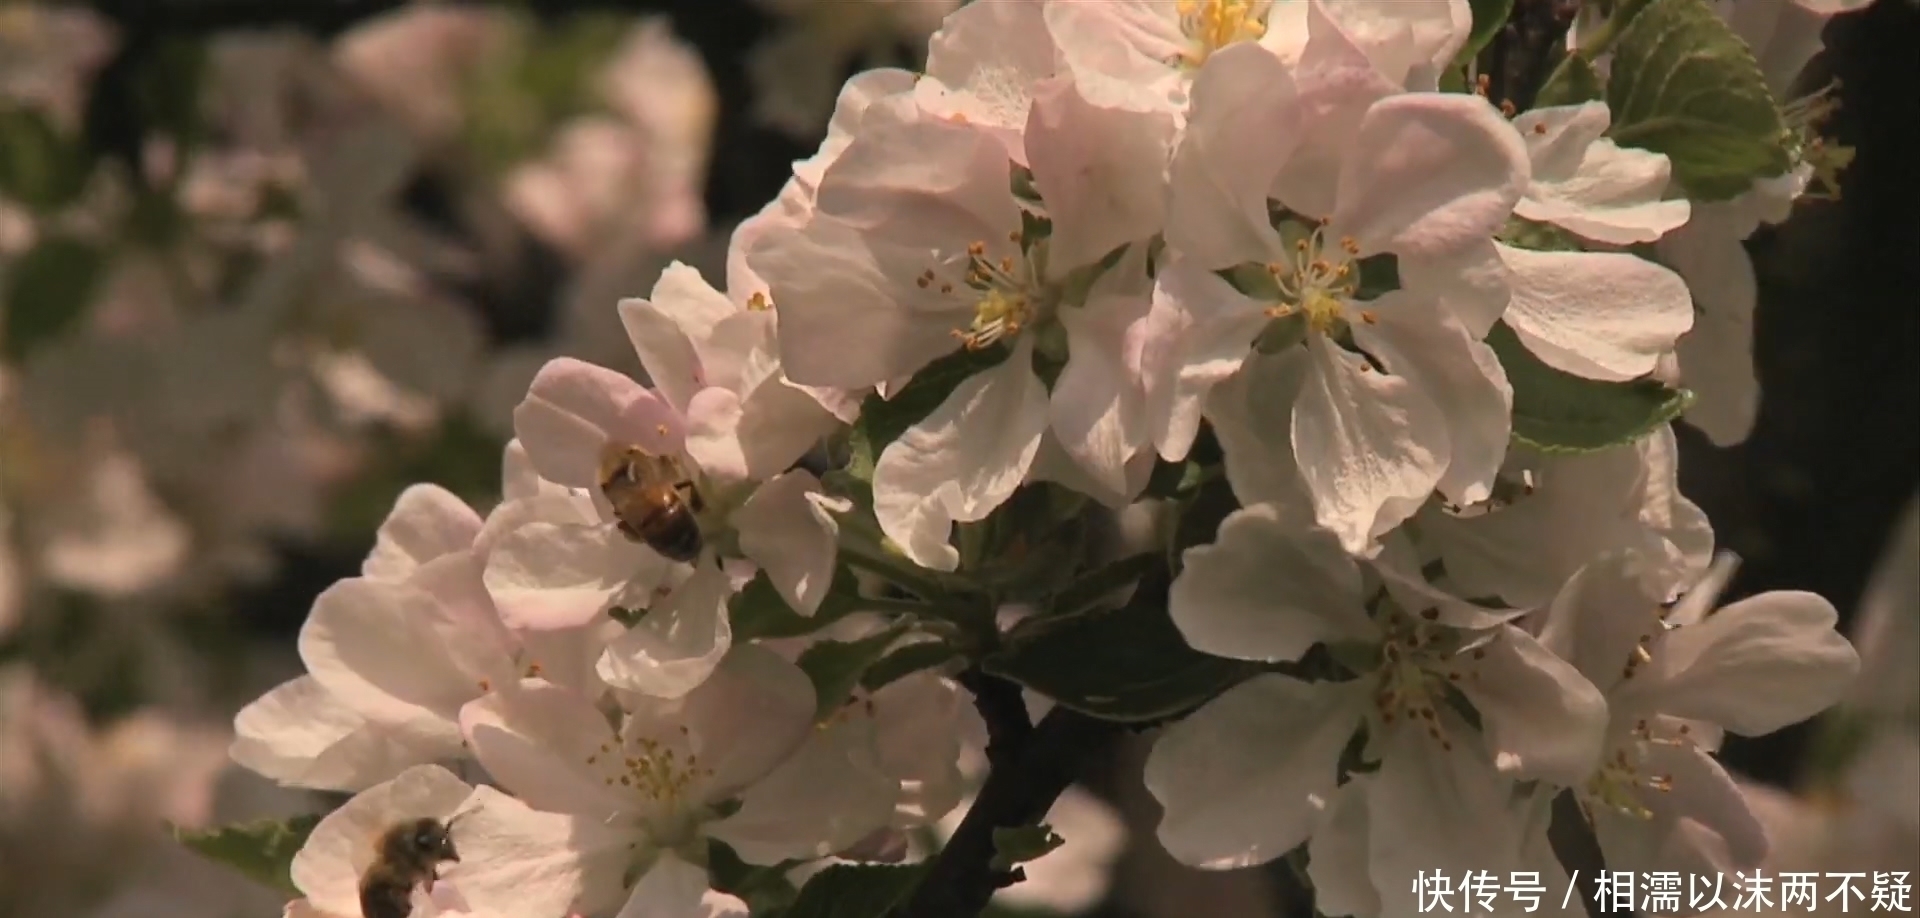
x=374 y=646
x=962 y=460
x=1336 y=83
x=828 y=796
x=328 y=867
x=517 y=861
x=1243 y=129
x=780 y=422
x=1435 y=808
x=1757 y=665
x=1242 y=779
x=574 y=407
x=519 y=481
x=832 y=290
x=1102 y=172
x=1463 y=378
x=548 y=576
x=470 y=631
x=747 y=718
x=1250 y=412
x=984 y=61
x=300 y=736
x=1600 y=315
x=1224 y=603
x=1407 y=42
x=672 y=364
x=1371 y=446
x=1097 y=411
x=673 y=888
x=1197 y=332
x=548 y=746
x=678 y=643
x=789 y=528
x=713 y=435
x=1541 y=719
x=1429 y=174
x=427 y=521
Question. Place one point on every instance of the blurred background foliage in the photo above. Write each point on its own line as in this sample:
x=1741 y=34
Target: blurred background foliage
x=265 y=264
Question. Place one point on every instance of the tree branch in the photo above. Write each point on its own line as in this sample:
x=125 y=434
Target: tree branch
x=1031 y=767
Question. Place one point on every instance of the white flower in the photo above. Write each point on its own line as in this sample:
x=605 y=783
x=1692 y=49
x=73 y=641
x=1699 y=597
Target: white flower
x=1585 y=183
x=654 y=784
x=1243 y=779
x=1673 y=681
x=1428 y=177
x=512 y=860
x=1553 y=514
x=916 y=239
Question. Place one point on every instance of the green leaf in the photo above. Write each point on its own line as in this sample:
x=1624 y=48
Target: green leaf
x=759 y=611
x=1683 y=83
x=1101 y=583
x=1128 y=664
x=1488 y=18
x=47 y=290
x=906 y=661
x=856 y=891
x=1561 y=413
x=764 y=889
x=263 y=849
x=39 y=166
x=1020 y=844
x=1574 y=82
x=836 y=667
x=883 y=420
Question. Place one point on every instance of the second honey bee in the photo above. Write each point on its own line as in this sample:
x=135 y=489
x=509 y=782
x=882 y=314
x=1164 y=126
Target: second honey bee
x=408 y=854
x=654 y=500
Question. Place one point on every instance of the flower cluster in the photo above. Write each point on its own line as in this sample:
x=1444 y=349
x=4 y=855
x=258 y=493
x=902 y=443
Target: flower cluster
x=1389 y=360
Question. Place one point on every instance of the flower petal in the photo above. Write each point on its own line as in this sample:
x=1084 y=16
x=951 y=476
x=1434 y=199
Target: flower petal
x=1540 y=717
x=301 y=736
x=673 y=888
x=516 y=861
x=1249 y=411
x=1428 y=174
x=677 y=645
x=1096 y=411
x=962 y=460
x=1224 y=601
x=427 y=521
x=1337 y=854
x=713 y=435
x=828 y=796
x=748 y=717
x=372 y=645
x=1242 y=779
x=548 y=576
x=1417 y=339
x=1242 y=130
x=541 y=742
x=1371 y=446
x=789 y=528
x=1101 y=170
x=1757 y=665
x=1434 y=808
x=1601 y=315
x=574 y=407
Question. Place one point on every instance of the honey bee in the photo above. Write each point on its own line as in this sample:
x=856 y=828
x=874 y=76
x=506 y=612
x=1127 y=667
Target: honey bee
x=408 y=854
x=654 y=500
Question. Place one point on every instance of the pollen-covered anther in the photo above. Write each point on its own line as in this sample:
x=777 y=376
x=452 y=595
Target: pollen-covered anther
x=1367 y=316
x=759 y=302
x=1540 y=128
x=1210 y=25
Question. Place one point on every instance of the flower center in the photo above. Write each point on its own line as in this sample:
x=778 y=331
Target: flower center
x=1002 y=292
x=1214 y=24
x=1417 y=663
x=1623 y=778
x=661 y=776
x=1804 y=119
x=1318 y=283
